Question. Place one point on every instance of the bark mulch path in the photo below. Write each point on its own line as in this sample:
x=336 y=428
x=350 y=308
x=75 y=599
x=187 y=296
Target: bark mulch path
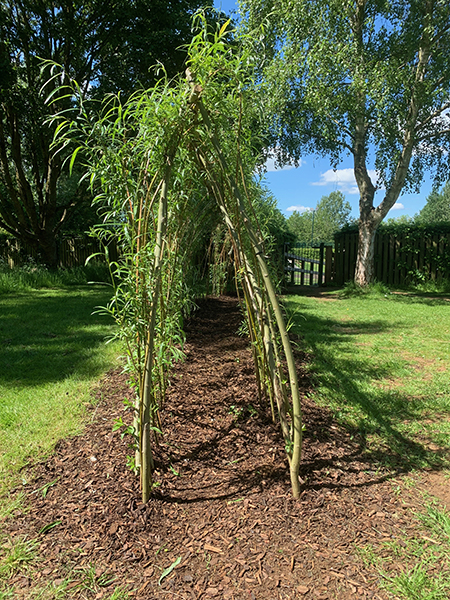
x=223 y=506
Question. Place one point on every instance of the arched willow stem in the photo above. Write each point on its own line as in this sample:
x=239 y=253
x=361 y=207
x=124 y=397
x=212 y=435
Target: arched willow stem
x=294 y=445
x=148 y=402
x=175 y=198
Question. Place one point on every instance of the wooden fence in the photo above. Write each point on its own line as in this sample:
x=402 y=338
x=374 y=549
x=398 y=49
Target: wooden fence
x=72 y=252
x=310 y=265
x=400 y=258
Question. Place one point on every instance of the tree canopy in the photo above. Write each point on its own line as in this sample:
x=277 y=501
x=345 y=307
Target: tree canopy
x=331 y=214
x=361 y=77
x=437 y=207
x=104 y=46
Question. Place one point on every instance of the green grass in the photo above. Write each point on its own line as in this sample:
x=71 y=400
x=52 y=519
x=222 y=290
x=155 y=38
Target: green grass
x=438 y=522
x=15 y=555
x=381 y=362
x=417 y=584
x=52 y=351
x=33 y=276
x=417 y=566
x=21 y=556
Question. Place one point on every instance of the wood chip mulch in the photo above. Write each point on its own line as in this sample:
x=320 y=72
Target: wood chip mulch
x=223 y=508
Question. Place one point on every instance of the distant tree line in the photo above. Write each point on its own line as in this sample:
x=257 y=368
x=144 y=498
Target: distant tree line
x=436 y=210
x=320 y=224
x=332 y=214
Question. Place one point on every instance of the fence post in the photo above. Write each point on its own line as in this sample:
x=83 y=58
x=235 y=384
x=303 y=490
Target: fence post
x=328 y=264
x=321 y=253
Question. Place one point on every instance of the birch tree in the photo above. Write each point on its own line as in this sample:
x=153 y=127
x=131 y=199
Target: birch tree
x=365 y=78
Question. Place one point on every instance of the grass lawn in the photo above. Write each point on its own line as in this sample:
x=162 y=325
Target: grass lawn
x=52 y=351
x=381 y=362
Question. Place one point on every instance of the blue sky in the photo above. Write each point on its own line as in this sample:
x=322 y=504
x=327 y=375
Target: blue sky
x=301 y=188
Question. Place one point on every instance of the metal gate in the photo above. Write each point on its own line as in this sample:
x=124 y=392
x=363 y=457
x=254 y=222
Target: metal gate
x=308 y=265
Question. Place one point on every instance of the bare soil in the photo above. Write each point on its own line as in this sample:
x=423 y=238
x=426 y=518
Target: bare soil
x=223 y=506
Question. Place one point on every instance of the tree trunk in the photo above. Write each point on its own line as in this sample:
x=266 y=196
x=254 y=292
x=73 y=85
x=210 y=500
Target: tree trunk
x=365 y=271
x=49 y=251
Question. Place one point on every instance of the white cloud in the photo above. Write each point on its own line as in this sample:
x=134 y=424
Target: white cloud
x=343 y=179
x=397 y=206
x=299 y=209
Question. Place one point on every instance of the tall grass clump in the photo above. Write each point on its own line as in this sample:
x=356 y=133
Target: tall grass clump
x=173 y=169
x=440 y=286
x=352 y=289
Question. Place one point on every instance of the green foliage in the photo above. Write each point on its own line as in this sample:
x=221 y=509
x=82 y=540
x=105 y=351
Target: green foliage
x=106 y=47
x=400 y=227
x=34 y=276
x=169 y=569
x=371 y=47
x=352 y=289
x=301 y=226
x=83 y=215
x=139 y=163
x=236 y=411
x=136 y=37
x=331 y=214
x=398 y=221
x=340 y=77
x=173 y=169
x=424 y=286
x=91 y=580
x=437 y=207
x=274 y=230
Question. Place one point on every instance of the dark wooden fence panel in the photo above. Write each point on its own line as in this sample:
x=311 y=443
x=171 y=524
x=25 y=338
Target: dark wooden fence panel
x=75 y=252
x=399 y=258
x=345 y=248
x=72 y=252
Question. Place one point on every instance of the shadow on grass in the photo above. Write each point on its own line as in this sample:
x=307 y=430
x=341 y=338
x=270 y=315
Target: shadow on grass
x=46 y=336
x=425 y=298
x=377 y=416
